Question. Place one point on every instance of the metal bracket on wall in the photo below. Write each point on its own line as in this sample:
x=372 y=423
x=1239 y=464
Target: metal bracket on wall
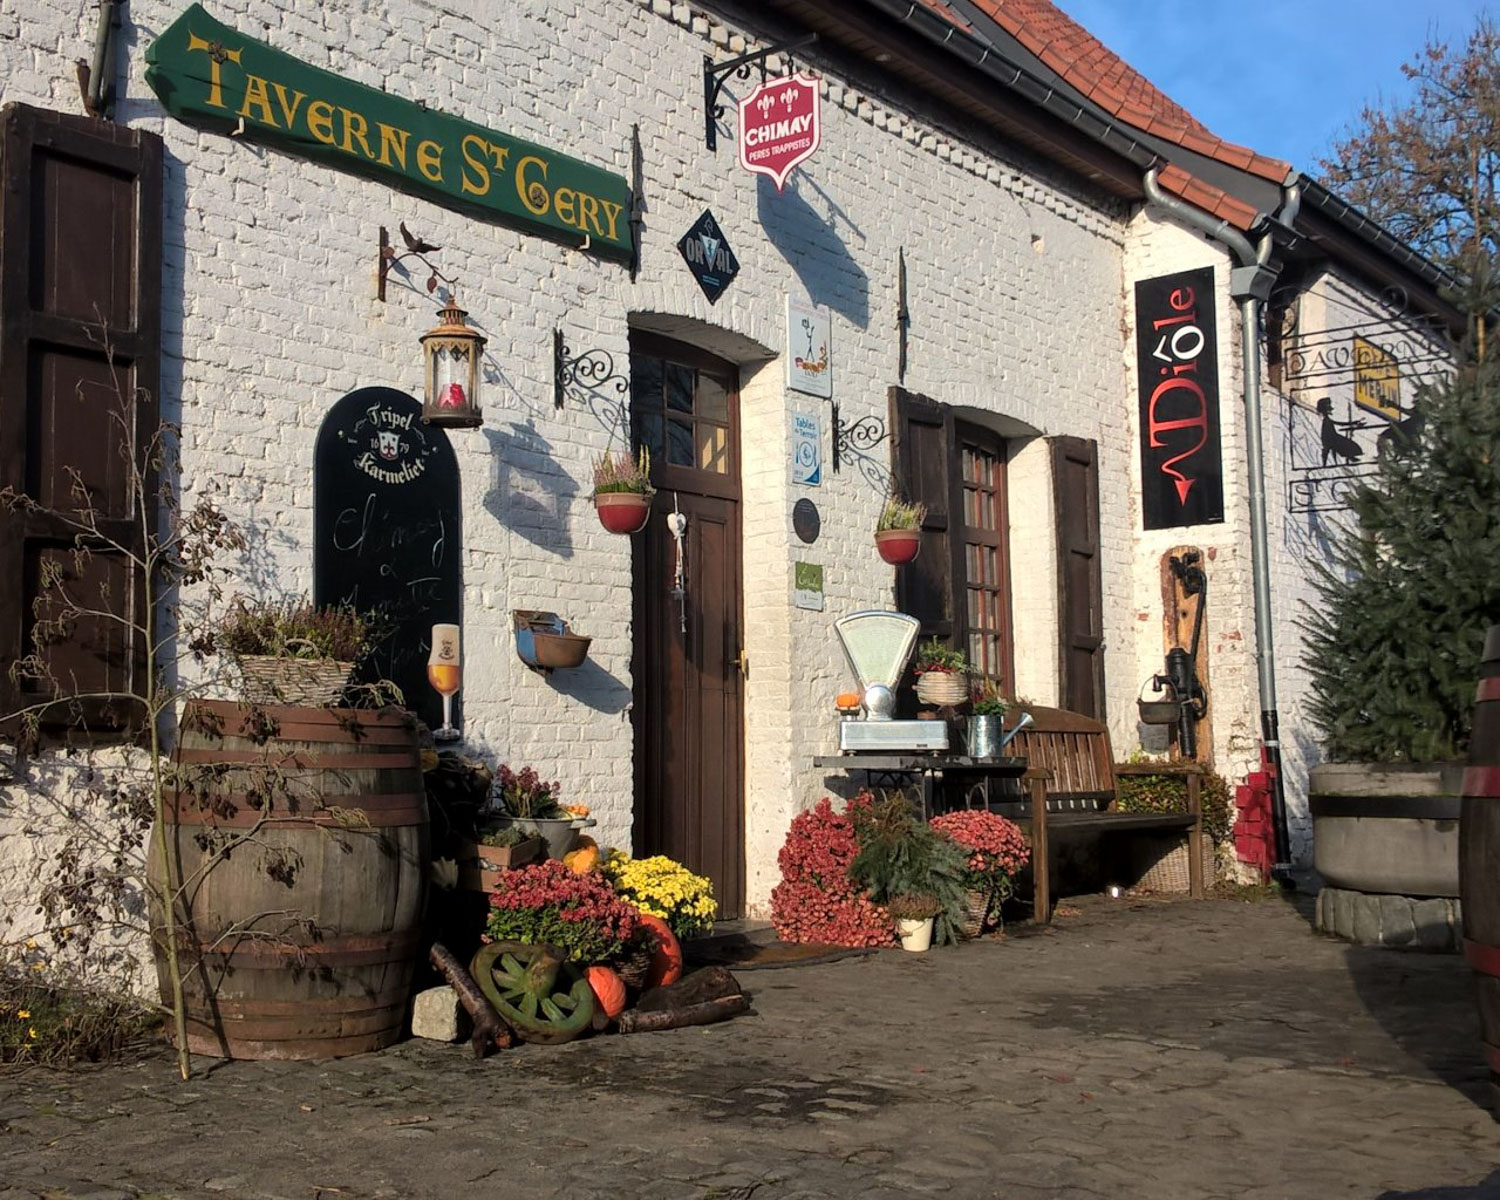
x=591 y=371
x=903 y=316
x=715 y=75
x=863 y=434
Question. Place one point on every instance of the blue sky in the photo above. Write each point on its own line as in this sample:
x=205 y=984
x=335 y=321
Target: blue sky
x=1284 y=77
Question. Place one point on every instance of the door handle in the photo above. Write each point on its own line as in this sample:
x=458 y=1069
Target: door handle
x=742 y=661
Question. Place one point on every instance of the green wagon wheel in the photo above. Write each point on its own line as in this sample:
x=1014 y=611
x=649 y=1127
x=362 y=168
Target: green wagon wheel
x=545 y=999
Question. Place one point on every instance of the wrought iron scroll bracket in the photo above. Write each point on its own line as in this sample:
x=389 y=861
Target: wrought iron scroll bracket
x=715 y=75
x=851 y=439
x=591 y=371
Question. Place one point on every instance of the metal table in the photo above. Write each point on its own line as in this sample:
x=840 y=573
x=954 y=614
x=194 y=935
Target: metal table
x=927 y=769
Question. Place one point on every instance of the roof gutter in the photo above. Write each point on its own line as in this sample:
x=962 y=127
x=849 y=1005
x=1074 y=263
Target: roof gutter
x=1250 y=283
x=1345 y=214
x=991 y=63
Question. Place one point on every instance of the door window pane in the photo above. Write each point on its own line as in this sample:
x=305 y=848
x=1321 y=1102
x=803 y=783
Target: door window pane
x=679 y=444
x=645 y=381
x=713 y=400
x=679 y=386
x=648 y=433
x=713 y=448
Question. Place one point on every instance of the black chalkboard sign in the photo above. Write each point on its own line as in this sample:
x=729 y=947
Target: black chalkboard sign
x=386 y=535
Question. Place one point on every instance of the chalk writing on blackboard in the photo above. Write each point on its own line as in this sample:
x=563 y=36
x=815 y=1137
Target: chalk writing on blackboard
x=387 y=532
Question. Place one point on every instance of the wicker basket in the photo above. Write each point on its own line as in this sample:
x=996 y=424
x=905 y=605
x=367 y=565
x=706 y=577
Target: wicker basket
x=976 y=911
x=1161 y=863
x=314 y=682
x=942 y=688
x=635 y=965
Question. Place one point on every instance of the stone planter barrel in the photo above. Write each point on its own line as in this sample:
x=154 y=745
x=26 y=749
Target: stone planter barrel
x=306 y=934
x=1479 y=857
x=1385 y=841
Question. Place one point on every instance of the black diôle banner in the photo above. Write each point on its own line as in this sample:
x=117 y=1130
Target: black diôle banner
x=1177 y=365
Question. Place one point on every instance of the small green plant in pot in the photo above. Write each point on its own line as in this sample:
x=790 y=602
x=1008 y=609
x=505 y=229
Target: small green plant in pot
x=622 y=490
x=898 y=532
x=289 y=651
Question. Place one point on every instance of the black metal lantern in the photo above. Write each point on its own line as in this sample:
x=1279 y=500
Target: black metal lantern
x=451 y=352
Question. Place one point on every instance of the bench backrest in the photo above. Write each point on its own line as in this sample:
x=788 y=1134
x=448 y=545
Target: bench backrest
x=1075 y=749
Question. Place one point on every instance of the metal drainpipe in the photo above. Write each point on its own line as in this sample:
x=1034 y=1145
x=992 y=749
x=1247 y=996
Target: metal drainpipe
x=1250 y=283
x=101 y=97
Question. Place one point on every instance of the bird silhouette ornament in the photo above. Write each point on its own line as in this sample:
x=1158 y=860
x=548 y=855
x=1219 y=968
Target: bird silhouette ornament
x=1336 y=445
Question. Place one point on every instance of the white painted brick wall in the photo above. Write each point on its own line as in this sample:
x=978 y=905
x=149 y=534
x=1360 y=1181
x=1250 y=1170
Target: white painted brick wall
x=1019 y=292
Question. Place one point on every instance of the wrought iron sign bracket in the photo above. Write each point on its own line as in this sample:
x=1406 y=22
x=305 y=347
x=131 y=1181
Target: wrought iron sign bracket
x=715 y=75
x=850 y=439
x=593 y=370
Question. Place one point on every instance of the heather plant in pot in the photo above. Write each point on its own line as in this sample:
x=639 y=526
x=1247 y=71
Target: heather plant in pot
x=289 y=651
x=622 y=490
x=530 y=803
x=898 y=532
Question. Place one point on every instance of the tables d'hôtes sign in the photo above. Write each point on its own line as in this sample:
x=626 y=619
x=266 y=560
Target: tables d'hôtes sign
x=207 y=74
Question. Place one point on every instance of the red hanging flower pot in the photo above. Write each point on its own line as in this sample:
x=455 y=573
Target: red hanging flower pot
x=898 y=546
x=623 y=512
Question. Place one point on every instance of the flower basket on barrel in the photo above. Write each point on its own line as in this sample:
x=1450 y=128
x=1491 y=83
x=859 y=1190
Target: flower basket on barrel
x=942 y=674
x=290 y=652
x=623 y=491
x=898 y=533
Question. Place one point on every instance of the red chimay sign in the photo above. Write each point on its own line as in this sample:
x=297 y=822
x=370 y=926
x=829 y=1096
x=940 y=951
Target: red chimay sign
x=779 y=126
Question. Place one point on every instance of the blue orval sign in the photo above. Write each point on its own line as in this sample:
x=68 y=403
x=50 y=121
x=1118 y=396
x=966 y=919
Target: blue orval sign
x=708 y=256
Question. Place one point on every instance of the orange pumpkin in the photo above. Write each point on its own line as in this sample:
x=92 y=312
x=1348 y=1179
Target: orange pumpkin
x=582 y=861
x=666 y=963
x=609 y=990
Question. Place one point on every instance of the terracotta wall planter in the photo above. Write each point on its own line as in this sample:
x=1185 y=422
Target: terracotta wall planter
x=623 y=512
x=898 y=546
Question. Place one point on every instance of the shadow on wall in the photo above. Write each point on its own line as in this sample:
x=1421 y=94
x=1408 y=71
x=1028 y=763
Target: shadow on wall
x=591 y=684
x=812 y=246
x=529 y=493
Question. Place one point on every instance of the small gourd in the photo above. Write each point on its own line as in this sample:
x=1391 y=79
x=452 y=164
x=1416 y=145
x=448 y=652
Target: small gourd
x=609 y=989
x=583 y=860
x=666 y=963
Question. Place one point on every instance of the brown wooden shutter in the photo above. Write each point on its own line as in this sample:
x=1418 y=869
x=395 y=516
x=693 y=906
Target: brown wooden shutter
x=1075 y=482
x=80 y=326
x=924 y=462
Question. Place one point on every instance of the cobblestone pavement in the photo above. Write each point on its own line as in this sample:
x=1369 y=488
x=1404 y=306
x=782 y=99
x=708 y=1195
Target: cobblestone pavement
x=1138 y=1048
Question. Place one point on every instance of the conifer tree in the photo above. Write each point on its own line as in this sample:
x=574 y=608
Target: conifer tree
x=1395 y=642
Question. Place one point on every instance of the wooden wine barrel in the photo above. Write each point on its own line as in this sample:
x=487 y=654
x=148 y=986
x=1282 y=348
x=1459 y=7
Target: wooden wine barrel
x=1479 y=857
x=301 y=838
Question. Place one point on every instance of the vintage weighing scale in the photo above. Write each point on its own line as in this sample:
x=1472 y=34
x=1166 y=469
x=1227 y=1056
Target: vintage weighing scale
x=878 y=645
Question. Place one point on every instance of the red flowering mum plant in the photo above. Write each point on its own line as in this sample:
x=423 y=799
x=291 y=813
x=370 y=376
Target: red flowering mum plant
x=816 y=900
x=997 y=849
x=548 y=902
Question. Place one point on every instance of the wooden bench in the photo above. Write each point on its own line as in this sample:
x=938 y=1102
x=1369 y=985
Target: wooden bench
x=1069 y=788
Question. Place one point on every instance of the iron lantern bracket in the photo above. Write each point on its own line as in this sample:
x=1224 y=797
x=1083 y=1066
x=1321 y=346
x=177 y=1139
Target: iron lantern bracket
x=715 y=75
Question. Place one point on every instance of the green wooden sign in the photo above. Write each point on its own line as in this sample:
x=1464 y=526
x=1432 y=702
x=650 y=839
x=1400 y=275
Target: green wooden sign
x=208 y=74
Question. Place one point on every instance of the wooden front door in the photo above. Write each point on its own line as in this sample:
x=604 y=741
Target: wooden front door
x=688 y=701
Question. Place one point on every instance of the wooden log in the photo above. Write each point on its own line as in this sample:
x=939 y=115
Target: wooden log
x=709 y=983
x=488 y=1027
x=706 y=1013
